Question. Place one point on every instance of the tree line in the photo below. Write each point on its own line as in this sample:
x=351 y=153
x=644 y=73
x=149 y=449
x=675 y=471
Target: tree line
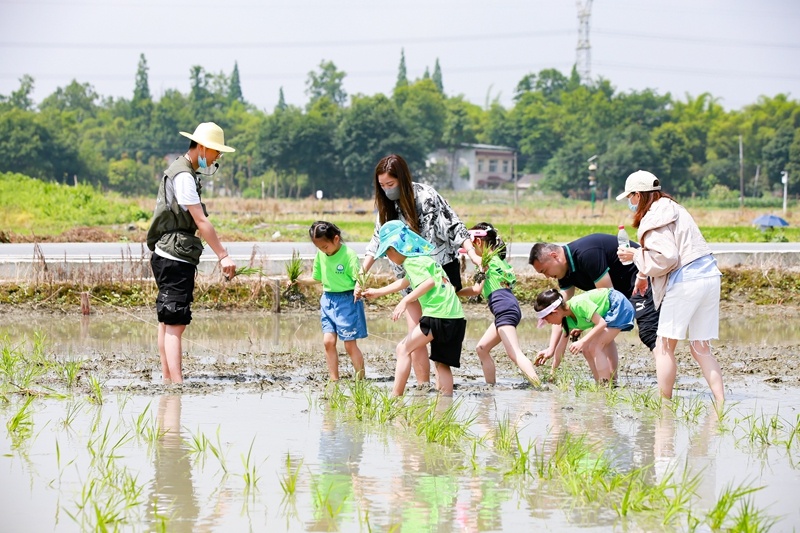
x=556 y=123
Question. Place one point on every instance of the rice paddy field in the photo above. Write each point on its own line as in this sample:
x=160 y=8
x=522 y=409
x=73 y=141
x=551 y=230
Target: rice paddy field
x=256 y=439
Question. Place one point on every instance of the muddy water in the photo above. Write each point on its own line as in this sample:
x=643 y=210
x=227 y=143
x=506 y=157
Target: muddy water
x=356 y=474
x=368 y=476
x=217 y=333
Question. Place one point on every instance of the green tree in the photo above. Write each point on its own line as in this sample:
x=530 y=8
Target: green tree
x=77 y=98
x=370 y=129
x=235 y=89
x=328 y=82
x=21 y=98
x=141 y=91
x=402 y=74
x=281 y=101
x=424 y=112
x=437 y=77
x=127 y=176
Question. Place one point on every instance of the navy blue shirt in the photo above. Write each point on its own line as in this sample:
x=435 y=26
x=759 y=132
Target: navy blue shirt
x=590 y=258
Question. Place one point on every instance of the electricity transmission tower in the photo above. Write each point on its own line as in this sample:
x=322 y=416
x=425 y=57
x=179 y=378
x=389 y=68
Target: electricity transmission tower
x=583 y=55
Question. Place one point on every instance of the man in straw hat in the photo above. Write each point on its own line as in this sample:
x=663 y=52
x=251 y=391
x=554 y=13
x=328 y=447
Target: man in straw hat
x=178 y=216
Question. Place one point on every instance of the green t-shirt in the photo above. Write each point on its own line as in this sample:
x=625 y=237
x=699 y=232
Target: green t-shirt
x=499 y=275
x=585 y=305
x=439 y=302
x=337 y=272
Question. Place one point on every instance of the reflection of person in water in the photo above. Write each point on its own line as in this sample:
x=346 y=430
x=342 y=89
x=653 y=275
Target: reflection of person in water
x=172 y=492
x=700 y=461
x=340 y=447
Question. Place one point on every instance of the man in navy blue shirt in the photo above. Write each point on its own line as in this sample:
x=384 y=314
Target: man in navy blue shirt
x=591 y=262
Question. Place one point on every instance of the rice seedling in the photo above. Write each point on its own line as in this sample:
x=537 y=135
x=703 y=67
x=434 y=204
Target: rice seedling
x=294 y=269
x=442 y=428
x=364 y=279
x=636 y=497
x=217 y=452
x=763 y=430
x=751 y=519
x=324 y=501
x=103 y=448
x=140 y=422
x=20 y=425
x=95 y=390
x=521 y=464
x=249 y=271
x=70 y=370
x=250 y=475
x=718 y=514
x=794 y=434
x=645 y=400
x=289 y=479
x=680 y=497
x=689 y=409
x=504 y=435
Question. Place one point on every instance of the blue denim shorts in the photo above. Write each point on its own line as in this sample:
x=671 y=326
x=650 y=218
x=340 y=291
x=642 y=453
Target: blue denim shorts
x=621 y=313
x=339 y=314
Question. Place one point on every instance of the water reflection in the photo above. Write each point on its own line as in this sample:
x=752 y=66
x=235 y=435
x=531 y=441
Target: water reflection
x=266 y=333
x=172 y=491
x=700 y=461
x=337 y=487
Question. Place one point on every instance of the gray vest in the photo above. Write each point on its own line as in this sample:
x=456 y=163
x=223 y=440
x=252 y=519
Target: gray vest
x=173 y=229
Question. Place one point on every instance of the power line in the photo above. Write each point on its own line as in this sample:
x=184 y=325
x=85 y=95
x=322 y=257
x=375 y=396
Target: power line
x=185 y=45
x=696 y=40
x=699 y=71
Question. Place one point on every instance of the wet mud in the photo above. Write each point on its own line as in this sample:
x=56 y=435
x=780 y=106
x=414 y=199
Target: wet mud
x=768 y=356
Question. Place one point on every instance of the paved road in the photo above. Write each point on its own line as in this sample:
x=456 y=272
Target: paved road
x=20 y=252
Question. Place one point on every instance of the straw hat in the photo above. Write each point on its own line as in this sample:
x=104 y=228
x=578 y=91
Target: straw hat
x=209 y=135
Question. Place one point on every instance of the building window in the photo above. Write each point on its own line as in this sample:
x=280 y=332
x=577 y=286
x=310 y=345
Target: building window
x=493 y=165
x=480 y=165
x=505 y=166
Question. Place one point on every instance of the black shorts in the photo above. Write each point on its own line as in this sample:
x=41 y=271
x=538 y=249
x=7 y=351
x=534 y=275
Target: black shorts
x=646 y=317
x=453 y=271
x=175 y=281
x=448 y=335
x=505 y=308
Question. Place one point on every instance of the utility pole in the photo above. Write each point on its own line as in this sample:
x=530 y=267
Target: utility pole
x=785 y=181
x=515 y=178
x=583 y=57
x=741 y=174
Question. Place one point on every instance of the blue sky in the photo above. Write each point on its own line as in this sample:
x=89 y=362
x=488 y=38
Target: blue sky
x=734 y=49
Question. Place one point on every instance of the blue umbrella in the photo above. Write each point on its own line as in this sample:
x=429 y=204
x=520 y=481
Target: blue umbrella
x=770 y=221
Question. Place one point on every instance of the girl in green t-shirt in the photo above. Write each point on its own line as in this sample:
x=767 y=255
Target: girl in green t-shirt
x=495 y=286
x=604 y=312
x=341 y=313
x=442 y=324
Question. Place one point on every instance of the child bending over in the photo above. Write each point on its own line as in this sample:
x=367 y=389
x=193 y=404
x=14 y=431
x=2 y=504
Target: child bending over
x=495 y=287
x=442 y=324
x=604 y=312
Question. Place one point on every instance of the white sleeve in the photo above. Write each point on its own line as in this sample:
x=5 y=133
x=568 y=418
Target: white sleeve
x=186 y=190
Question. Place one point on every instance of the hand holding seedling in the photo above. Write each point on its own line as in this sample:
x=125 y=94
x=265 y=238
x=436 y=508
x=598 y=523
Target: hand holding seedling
x=228 y=267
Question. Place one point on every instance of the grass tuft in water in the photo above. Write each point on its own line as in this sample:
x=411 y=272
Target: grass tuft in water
x=289 y=479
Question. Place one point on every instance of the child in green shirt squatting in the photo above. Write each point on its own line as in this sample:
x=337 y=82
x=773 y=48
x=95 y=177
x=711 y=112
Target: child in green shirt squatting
x=341 y=314
x=495 y=287
x=605 y=312
x=442 y=324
